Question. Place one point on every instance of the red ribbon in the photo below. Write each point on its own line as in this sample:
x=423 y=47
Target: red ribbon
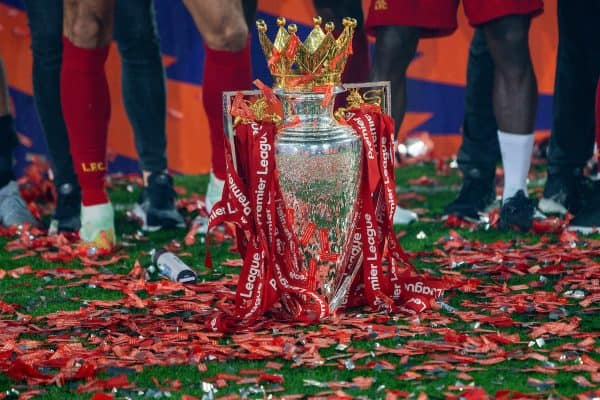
x=270 y=96
x=292 y=47
x=272 y=267
x=274 y=271
x=374 y=229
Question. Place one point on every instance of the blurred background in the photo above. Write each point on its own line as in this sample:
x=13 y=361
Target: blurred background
x=436 y=82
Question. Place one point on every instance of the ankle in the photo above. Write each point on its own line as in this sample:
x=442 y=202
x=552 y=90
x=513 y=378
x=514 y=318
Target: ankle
x=92 y=197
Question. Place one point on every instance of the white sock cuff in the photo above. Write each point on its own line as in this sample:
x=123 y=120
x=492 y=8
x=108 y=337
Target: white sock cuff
x=516 y=138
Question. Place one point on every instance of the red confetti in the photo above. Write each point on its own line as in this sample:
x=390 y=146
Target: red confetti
x=102 y=396
x=549 y=225
x=271 y=378
x=307 y=233
x=422 y=181
x=324 y=240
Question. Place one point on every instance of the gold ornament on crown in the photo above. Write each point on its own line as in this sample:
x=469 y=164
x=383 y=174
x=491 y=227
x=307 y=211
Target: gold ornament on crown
x=303 y=66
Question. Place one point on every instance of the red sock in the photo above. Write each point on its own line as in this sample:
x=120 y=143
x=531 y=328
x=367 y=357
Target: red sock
x=223 y=71
x=357 y=67
x=86 y=108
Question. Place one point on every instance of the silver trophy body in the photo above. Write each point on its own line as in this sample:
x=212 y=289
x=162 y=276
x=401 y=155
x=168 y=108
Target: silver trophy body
x=317 y=158
x=319 y=171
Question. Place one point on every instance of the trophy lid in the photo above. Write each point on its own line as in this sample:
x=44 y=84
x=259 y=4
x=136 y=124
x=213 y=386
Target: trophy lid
x=303 y=66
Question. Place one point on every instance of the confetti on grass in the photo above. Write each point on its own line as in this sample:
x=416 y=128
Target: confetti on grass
x=520 y=308
x=163 y=323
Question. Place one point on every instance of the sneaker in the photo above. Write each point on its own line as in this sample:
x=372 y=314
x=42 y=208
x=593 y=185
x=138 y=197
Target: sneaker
x=586 y=221
x=214 y=192
x=403 y=216
x=518 y=213
x=13 y=210
x=67 y=215
x=477 y=195
x=98 y=226
x=156 y=205
x=562 y=192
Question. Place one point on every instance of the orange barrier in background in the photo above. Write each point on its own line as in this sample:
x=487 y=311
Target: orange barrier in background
x=441 y=64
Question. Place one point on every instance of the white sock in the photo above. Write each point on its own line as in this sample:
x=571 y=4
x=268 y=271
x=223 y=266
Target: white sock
x=516 y=159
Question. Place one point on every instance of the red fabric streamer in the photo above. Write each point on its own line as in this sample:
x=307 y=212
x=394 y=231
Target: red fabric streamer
x=267 y=92
x=292 y=47
x=271 y=269
x=273 y=273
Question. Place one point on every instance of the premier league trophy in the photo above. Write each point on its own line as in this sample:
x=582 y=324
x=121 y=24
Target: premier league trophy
x=318 y=159
x=312 y=200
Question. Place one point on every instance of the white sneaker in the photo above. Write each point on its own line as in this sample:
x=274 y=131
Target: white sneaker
x=403 y=216
x=98 y=226
x=552 y=206
x=214 y=192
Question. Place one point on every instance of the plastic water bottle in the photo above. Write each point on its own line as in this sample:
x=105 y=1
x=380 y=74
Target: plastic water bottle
x=172 y=267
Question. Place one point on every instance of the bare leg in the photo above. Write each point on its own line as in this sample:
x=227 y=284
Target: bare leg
x=220 y=22
x=394 y=50
x=515 y=85
x=89 y=23
x=515 y=103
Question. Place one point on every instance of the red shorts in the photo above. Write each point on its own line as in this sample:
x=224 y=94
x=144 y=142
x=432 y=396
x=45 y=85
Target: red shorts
x=438 y=17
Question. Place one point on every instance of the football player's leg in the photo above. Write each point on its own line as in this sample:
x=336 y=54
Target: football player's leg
x=571 y=142
x=144 y=95
x=13 y=210
x=398 y=25
x=479 y=151
x=86 y=107
x=227 y=67
x=45 y=19
x=394 y=50
x=515 y=97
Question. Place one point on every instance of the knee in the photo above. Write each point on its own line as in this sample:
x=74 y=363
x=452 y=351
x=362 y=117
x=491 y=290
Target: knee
x=511 y=38
x=88 y=32
x=230 y=37
x=85 y=32
x=511 y=45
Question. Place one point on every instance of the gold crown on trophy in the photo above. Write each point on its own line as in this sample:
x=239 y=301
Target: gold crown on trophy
x=318 y=61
